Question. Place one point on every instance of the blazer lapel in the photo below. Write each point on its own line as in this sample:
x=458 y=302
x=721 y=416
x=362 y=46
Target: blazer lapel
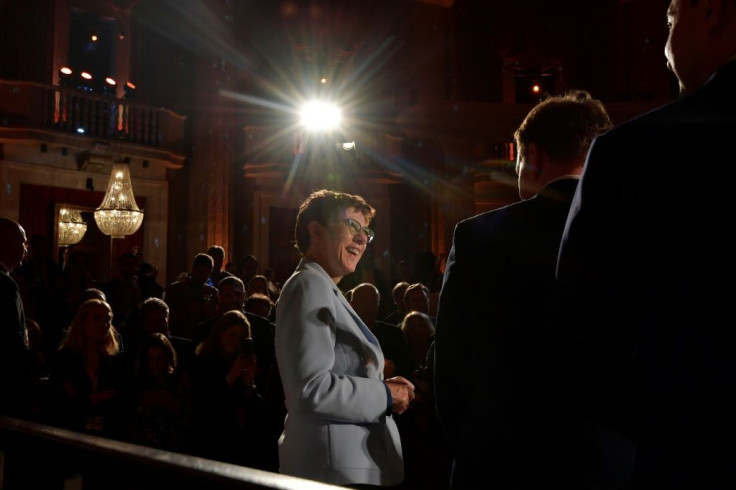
x=363 y=327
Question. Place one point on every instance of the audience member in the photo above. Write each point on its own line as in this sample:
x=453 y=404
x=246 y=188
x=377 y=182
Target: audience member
x=147 y=282
x=92 y=293
x=274 y=288
x=87 y=377
x=496 y=295
x=257 y=284
x=331 y=365
x=643 y=273
x=247 y=267
x=18 y=363
x=365 y=298
x=258 y=304
x=159 y=412
x=217 y=252
x=191 y=301
x=74 y=280
x=226 y=405
x=397 y=294
x=416 y=298
x=123 y=293
x=231 y=296
x=418 y=331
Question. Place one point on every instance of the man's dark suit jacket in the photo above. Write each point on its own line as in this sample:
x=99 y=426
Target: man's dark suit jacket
x=645 y=288
x=18 y=364
x=495 y=295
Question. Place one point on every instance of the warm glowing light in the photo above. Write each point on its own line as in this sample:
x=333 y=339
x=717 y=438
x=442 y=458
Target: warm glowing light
x=94 y=38
x=71 y=227
x=65 y=70
x=86 y=75
x=129 y=86
x=324 y=81
x=110 y=81
x=118 y=215
x=320 y=116
x=536 y=88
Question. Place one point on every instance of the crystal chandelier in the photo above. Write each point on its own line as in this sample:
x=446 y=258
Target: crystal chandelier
x=118 y=215
x=71 y=226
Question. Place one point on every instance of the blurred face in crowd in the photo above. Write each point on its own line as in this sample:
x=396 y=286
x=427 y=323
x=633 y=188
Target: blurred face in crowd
x=97 y=323
x=200 y=273
x=158 y=362
x=230 y=339
x=232 y=297
x=156 y=321
x=417 y=300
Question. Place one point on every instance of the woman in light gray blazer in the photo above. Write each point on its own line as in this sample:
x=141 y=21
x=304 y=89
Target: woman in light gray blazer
x=339 y=427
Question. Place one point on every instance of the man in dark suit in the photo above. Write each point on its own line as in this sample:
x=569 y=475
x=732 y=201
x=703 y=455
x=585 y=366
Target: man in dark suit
x=646 y=261
x=495 y=295
x=18 y=364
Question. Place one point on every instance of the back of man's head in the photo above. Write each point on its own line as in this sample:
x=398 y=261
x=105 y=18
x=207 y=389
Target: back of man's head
x=12 y=243
x=563 y=126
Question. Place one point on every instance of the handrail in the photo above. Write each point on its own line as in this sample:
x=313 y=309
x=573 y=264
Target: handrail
x=127 y=465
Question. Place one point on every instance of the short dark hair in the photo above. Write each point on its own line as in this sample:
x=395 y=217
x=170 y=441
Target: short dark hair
x=203 y=259
x=322 y=206
x=216 y=251
x=563 y=126
x=152 y=304
x=230 y=281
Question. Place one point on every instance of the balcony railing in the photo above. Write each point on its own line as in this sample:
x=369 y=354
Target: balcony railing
x=70 y=110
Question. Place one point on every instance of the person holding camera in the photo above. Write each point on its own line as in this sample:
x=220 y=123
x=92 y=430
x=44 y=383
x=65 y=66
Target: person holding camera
x=226 y=407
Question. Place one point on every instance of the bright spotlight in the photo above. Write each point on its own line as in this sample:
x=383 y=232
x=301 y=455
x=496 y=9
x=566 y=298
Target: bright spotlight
x=320 y=116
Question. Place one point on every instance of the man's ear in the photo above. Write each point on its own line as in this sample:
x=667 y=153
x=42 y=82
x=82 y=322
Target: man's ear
x=713 y=13
x=535 y=159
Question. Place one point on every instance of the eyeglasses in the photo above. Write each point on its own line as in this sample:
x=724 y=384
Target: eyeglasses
x=356 y=228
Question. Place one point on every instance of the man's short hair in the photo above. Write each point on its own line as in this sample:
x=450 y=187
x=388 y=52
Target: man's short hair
x=322 y=206
x=153 y=304
x=203 y=259
x=216 y=251
x=563 y=126
x=230 y=281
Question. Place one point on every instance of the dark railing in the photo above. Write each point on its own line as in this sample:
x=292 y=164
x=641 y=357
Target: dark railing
x=38 y=456
x=84 y=113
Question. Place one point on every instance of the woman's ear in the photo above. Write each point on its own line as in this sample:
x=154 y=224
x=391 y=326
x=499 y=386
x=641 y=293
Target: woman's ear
x=316 y=231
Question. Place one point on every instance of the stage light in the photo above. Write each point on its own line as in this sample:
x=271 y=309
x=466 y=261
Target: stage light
x=109 y=87
x=129 y=90
x=65 y=76
x=320 y=116
x=536 y=89
x=85 y=81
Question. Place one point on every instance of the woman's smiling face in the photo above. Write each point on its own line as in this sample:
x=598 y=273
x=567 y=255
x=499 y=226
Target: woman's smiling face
x=341 y=249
